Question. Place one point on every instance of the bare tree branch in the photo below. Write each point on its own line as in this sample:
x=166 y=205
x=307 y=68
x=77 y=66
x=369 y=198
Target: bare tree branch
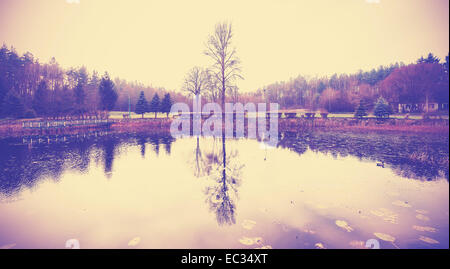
x=226 y=65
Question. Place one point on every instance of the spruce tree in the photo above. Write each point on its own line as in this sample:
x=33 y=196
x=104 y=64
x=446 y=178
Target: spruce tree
x=360 y=110
x=12 y=105
x=155 y=105
x=382 y=109
x=41 y=99
x=166 y=104
x=108 y=95
x=141 y=105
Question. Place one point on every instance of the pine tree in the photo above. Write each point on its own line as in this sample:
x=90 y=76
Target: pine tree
x=361 y=110
x=80 y=97
x=382 y=108
x=155 y=105
x=431 y=59
x=41 y=99
x=108 y=95
x=141 y=105
x=445 y=65
x=166 y=104
x=12 y=105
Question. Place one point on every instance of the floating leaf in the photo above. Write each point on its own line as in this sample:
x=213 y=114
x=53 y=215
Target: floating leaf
x=248 y=224
x=428 y=240
x=424 y=229
x=134 y=242
x=344 y=225
x=319 y=245
x=385 y=237
x=401 y=203
x=265 y=247
x=386 y=215
x=308 y=231
x=248 y=241
x=422 y=217
x=421 y=211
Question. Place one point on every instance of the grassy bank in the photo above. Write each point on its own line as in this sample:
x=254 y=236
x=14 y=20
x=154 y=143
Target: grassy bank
x=14 y=128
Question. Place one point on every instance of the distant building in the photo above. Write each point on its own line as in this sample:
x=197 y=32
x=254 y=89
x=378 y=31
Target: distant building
x=432 y=107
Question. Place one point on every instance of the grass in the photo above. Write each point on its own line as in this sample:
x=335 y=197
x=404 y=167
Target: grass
x=119 y=115
x=351 y=115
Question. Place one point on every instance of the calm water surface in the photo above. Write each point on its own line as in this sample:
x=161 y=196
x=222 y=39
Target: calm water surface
x=317 y=190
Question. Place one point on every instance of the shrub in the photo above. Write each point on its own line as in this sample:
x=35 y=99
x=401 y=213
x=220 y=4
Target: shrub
x=29 y=114
x=382 y=109
x=361 y=110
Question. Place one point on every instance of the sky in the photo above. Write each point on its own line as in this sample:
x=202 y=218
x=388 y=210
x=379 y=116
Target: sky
x=157 y=42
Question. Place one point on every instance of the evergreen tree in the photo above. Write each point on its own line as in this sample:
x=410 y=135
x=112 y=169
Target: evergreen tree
x=82 y=78
x=445 y=65
x=166 y=104
x=321 y=87
x=141 y=105
x=79 y=96
x=361 y=110
x=41 y=99
x=431 y=59
x=382 y=108
x=12 y=105
x=155 y=105
x=107 y=93
x=65 y=103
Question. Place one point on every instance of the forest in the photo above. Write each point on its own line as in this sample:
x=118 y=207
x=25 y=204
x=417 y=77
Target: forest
x=426 y=80
x=31 y=89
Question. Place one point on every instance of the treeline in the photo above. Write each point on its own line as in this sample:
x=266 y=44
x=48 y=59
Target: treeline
x=155 y=106
x=30 y=89
x=425 y=81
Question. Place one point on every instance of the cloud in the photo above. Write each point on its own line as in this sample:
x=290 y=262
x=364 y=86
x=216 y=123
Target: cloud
x=373 y=1
x=73 y=1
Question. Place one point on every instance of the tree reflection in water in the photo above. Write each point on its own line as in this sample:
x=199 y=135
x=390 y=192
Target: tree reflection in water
x=423 y=157
x=23 y=165
x=223 y=173
x=109 y=144
x=200 y=164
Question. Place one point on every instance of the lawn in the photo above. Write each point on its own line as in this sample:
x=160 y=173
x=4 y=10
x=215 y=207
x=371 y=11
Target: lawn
x=119 y=115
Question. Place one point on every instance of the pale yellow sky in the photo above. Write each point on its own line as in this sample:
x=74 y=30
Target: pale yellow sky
x=157 y=42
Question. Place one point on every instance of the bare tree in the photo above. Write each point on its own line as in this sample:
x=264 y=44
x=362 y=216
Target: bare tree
x=226 y=68
x=234 y=93
x=196 y=81
x=213 y=87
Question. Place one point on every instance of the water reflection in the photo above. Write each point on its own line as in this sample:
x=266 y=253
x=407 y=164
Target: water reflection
x=422 y=157
x=108 y=146
x=314 y=190
x=24 y=164
x=224 y=177
x=411 y=156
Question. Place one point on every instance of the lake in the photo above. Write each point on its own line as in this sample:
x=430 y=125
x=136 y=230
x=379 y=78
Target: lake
x=314 y=190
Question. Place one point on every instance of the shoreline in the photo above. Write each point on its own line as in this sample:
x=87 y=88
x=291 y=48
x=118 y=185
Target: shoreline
x=14 y=128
